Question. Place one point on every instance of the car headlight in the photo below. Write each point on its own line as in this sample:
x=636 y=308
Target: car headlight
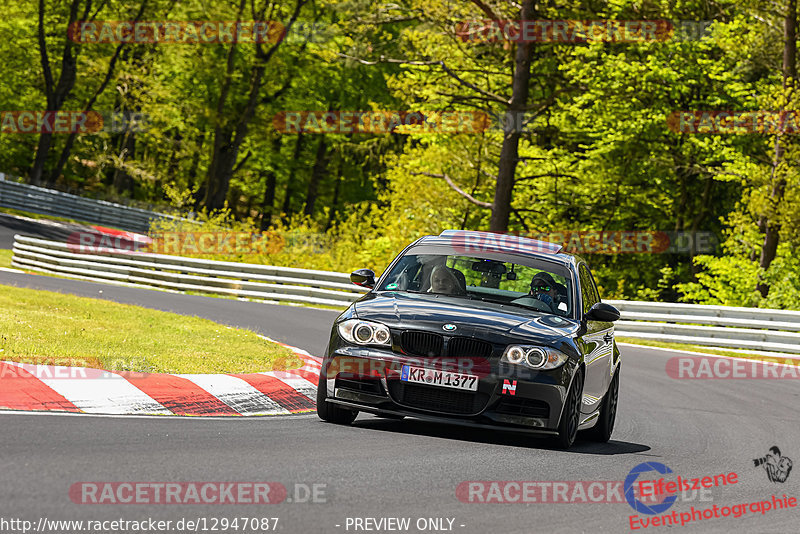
x=534 y=357
x=363 y=332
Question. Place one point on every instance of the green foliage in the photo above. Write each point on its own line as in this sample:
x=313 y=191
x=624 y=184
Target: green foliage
x=596 y=153
x=729 y=281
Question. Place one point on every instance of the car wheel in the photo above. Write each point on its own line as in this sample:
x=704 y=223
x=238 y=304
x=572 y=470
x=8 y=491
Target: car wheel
x=601 y=432
x=570 y=418
x=330 y=412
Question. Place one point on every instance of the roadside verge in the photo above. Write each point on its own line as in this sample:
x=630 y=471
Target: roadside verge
x=31 y=387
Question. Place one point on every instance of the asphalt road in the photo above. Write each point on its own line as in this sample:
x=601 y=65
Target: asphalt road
x=10 y=225
x=378 y=468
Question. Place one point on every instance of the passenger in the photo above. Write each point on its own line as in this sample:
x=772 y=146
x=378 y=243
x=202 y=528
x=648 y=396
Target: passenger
x=444 y=281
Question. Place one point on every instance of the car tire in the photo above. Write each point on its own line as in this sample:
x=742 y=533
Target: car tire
x=571 y=415
x=330 y=412
x=601 y=432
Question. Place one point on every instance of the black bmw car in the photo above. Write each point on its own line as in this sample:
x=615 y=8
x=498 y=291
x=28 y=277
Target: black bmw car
x=476 y=328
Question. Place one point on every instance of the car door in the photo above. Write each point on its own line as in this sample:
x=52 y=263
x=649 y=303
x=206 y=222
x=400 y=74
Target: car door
x=597 y=344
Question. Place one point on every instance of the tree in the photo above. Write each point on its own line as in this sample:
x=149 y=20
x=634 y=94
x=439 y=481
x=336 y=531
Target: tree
x=56 y=93
x=233 y=116
x=769 y=222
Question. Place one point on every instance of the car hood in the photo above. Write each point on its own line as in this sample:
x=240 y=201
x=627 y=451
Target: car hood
x=472 y=318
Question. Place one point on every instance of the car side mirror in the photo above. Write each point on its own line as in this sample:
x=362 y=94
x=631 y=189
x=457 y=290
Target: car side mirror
x=602 y=312
x=363 y=278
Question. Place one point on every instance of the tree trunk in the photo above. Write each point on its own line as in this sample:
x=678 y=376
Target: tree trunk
x=268 y=205
x=192 y=174
x=67 y=79
x=501 y=211
x=224 y=148
x=697 y=220
x=230 y=133
x=336 y=190
x=318 y=172
x=295 y=164
x=223 y=158
x=173 y=167
x=123 y=182
x=42 y=150
x=769 y=222
x=55 y=93
x=62 y=160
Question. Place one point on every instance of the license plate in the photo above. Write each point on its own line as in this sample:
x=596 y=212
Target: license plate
x=433 y=377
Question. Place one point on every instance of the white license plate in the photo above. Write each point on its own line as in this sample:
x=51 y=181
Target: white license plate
x=434 y=377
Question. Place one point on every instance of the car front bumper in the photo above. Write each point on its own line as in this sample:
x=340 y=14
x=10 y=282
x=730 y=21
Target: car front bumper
x=368 y=379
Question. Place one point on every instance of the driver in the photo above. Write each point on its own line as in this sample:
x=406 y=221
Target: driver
x=543 y=288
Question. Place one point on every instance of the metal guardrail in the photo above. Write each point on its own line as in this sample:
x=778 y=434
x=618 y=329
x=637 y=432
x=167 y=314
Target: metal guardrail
x=180 y=273
x=714 y=326
x=50 y=202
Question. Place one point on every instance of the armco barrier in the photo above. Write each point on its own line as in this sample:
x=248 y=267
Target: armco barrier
x=49 y=202
x=715 y=326
x=179 y=273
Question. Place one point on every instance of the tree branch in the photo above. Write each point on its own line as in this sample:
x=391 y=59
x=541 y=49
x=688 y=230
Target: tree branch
x=520 y=218
x=490 y=96
x=387 y=60
x=457 y=189
x=496 y=98
x=241 y=163
x=487 y=10
x=553 y=174
x=266 y=56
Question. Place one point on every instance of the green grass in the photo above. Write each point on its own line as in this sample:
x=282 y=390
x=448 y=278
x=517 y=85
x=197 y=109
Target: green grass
x=5 y=257
x=44 y=327
x=706 y=350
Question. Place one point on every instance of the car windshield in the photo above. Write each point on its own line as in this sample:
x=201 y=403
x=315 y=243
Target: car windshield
x=534 y=284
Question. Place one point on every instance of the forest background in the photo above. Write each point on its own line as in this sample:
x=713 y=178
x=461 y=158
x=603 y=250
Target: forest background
x=595 y=149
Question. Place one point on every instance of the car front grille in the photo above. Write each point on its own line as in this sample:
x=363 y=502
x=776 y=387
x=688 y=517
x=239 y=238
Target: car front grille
x=422 y=343
x=524 y=407
x=467 y=347
x=437 y=399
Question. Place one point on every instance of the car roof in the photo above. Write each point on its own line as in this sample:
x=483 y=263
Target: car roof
x=474 y=241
